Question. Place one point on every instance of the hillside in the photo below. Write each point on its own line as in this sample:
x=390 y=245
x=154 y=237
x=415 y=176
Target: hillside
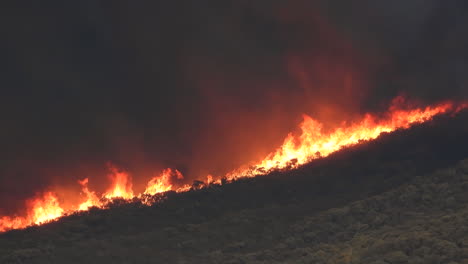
x=399 y=199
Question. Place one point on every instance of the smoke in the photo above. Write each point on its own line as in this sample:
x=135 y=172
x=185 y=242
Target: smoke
x=203 y=87
x=420 y=44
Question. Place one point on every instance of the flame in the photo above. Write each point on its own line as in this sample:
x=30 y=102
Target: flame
x=40 y=210
x=209 y=179
x=312 y=143
x=184 y=188
x=162 y=183
x=121 y=184
x=46 y=209
x=91 y=197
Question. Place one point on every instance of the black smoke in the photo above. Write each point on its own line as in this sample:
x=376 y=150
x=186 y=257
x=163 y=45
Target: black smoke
x=202 y=86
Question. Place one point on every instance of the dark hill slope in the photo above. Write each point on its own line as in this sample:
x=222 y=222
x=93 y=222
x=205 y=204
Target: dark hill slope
x=379 y=201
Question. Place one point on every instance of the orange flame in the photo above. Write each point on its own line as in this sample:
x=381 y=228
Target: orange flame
x=313 y=142
x=121 y=184
x=209 y=179
x=184 y=188
x=91 y=197
x=40 y=210
x=46 y=209
x=162 y=183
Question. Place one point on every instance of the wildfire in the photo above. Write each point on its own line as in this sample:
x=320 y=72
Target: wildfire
x=162 y=183
x=91 y=197
x=39 y=210
x=121 y=184
x=312 y=143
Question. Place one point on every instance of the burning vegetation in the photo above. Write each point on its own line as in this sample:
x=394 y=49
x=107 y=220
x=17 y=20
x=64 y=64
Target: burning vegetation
x=312 y=143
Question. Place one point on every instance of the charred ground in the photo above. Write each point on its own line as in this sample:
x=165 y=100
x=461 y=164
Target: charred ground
x=392 y=200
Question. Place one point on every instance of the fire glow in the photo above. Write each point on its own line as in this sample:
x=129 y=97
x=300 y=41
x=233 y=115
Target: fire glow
x=312 y=143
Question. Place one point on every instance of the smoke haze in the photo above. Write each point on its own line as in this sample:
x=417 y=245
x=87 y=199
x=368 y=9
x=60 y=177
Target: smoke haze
x=203 y=87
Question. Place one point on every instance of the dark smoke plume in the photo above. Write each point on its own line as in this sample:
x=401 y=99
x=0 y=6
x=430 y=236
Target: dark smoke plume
x=203 y=86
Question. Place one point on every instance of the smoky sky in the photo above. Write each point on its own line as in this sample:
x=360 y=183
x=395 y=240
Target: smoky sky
x=203 y=86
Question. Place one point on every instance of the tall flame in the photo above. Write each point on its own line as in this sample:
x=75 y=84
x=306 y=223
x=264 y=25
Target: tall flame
x=91 y=197
x=312 y=143
x=162 y=183
x=121 y=184
x=39 y=210
x=46 y=209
